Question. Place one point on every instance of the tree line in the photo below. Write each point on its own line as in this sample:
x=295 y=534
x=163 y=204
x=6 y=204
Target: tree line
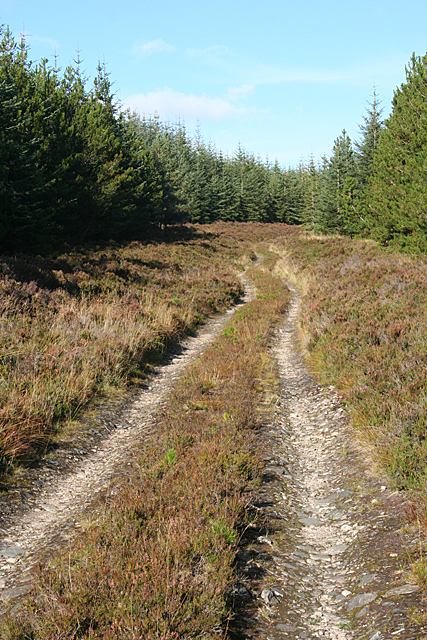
x=70 y=168
x=339 y=183
x=377 y=186
x=75 y=168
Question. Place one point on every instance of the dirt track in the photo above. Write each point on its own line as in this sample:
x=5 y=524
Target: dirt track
x=57 y=508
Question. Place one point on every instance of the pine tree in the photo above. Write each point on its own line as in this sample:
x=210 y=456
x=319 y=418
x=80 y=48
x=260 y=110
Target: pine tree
x=24 y=221
x=353 y=194
x=329 y=215
x=276 y=209
x=366 y=147
x=228 y=201
x=351 y=208
x=397 y=196
x=310 y=193
x=293 y=195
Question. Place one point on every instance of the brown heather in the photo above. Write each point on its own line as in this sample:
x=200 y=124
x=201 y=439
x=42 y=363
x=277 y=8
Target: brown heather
x=158 y=564
x=76 y=324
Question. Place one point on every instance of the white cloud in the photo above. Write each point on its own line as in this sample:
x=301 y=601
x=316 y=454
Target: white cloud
x=143 y=49
x=34 y=39
x=360 y=72
x=245 y=72
x=171 y=105
x=251 y=73
x=270 y=74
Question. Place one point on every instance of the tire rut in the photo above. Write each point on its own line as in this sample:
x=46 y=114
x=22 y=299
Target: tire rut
x=59 y=506
x=337 y=550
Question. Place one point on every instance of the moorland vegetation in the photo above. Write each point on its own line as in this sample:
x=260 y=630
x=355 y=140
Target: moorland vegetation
x=159 y=560
x=363 y=329
x=74 y=325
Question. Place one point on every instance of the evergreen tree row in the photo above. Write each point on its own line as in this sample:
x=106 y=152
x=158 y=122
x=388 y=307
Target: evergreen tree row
x=339 y=192
x=396 y=200
x=199 y=184
x=75 y=168
x=70 y=169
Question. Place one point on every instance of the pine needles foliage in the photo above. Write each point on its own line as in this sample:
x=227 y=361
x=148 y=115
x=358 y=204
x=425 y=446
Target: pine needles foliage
x=397 y=195
x=75 y=168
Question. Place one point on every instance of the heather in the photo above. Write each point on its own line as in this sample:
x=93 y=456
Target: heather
x=363 y=326
x=156 y=558
x=157 y=561
x=76 y=324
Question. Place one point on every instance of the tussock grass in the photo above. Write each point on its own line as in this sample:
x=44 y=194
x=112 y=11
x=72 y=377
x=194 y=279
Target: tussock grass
x=76 y=323
x=158 y=564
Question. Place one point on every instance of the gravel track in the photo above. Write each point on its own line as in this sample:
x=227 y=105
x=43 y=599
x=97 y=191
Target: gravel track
x=334 y=562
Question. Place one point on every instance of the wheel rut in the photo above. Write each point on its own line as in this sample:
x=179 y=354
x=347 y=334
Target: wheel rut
x=33 y=531
x=335 y=557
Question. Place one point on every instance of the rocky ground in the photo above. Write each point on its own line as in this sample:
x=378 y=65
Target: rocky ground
x=335 y=559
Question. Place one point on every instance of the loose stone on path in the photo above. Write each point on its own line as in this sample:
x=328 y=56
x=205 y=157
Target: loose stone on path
x=339 y=536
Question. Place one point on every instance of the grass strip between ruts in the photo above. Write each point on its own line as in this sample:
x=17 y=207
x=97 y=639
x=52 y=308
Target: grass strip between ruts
x=158 y=563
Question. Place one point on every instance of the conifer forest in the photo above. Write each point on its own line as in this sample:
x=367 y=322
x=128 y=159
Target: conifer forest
x=74 y=168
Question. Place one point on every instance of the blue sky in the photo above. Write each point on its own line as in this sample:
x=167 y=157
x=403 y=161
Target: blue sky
x=282 y=78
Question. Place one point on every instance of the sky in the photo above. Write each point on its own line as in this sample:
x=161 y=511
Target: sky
x=281 y=78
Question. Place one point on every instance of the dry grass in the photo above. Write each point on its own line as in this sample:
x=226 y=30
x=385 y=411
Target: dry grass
x=76 y=323
x=159 y=563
